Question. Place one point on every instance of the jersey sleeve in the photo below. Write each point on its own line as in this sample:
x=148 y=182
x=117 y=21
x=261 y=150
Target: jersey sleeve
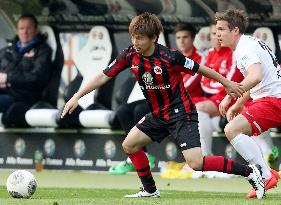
x=247 y=57
x=185 y=64
x=119 y=64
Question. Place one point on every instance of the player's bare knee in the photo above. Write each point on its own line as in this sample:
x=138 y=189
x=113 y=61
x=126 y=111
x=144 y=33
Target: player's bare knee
x=195 y=164
x=202 y=108
x=229 y=131
x=127 y=148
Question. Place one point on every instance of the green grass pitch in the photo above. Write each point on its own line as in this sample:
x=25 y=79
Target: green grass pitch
x=71 y=188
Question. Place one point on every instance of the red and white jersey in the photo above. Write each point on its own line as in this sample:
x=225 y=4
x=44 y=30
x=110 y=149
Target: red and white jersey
x=222 y=61
x=251 y=50
x=192 y=82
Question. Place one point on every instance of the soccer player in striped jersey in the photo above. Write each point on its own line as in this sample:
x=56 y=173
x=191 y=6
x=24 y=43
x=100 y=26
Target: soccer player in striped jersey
x=262 y=81
x=158 y=71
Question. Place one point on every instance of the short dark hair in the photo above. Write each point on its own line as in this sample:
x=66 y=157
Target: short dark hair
x=31 y=17
x=235 y=18
x=146 y=24
x=185 y=27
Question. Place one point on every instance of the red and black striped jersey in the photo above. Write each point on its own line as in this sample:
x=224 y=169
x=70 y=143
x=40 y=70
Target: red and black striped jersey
x=160 y=79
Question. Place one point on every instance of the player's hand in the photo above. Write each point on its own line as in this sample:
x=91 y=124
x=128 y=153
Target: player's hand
x=234 y=89
x=233 y=111
x=223 y=106
x=70 y=106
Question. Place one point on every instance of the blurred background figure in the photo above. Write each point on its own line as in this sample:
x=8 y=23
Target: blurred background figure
x=24 y=71
x=185 y=35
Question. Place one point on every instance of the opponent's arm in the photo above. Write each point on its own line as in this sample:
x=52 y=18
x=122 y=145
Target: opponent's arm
x=232 y=88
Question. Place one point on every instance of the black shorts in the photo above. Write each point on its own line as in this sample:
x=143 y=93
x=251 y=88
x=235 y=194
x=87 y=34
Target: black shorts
x=185 y=131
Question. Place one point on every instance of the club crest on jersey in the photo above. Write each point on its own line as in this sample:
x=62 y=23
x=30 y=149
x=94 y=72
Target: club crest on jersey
x=157 y=70
x=147 y=78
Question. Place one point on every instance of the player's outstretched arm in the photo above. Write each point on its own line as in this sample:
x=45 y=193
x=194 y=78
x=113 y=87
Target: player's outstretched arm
x=232 y=88
x=93 y=84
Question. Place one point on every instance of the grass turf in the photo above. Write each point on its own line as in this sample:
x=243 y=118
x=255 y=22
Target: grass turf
x=69 y=188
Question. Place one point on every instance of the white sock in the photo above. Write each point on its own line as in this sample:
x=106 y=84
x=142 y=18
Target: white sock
x=205 y=130
x=250 y=151
x=264 y=141
x=216 y=123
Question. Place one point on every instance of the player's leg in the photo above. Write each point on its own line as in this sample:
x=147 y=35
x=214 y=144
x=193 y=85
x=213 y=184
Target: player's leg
x=133 y=145
x=128 y=115
x=255 y=119
x=237 y=132
x=187 y=135
x=270 y=152
x=140 y=110
x=264 y=140
x=252 y=172
x=146 y=130
x=206 y=110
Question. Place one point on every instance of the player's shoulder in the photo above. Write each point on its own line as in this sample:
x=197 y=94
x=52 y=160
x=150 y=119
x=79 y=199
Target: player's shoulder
x=165 y=49
x=245 y=44
x=128 y=51
x=247 y=41
x=168 y=53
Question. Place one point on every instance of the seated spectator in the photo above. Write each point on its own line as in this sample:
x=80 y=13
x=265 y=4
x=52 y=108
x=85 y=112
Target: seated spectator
x=24 y=70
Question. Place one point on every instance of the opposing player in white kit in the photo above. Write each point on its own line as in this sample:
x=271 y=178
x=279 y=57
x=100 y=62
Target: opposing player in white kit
x=262 y=81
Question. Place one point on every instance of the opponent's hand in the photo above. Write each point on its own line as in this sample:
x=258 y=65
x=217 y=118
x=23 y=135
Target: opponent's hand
x=223 y=106
x=234 y=89
x=233 y=111
x=70 y=106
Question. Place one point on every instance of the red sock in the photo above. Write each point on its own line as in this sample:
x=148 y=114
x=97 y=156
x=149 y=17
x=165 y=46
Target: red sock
x=141 y=164
x=222 y=164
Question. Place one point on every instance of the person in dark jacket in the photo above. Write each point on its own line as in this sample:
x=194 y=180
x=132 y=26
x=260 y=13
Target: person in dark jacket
x=25 y=65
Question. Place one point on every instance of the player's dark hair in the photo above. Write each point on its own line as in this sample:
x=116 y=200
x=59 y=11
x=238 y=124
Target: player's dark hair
x=31 y=17
x=235 y=18
x=185 y=27
x=146 y=24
